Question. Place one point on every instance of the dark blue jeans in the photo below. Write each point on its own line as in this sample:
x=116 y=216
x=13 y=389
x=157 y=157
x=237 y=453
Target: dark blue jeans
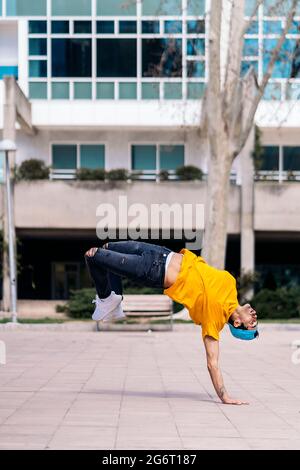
x=142 y=262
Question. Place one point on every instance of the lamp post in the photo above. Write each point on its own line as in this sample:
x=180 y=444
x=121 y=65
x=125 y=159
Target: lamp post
x=7 y=146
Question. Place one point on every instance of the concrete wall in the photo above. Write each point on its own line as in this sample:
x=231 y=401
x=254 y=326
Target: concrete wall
x=9 y=43
x=73 y=204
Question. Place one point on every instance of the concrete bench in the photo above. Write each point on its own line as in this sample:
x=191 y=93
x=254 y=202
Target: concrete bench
x=143 y=310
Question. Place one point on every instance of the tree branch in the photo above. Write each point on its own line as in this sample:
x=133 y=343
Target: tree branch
x=260 y=91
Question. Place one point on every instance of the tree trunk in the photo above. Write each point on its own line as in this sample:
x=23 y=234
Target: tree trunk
x=215 y=235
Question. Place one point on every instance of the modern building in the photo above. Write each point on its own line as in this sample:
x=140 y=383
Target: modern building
x=118 y=84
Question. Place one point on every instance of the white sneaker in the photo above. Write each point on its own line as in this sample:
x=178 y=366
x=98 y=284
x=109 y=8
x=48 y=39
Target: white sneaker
x=116 y=314
x=105 y=306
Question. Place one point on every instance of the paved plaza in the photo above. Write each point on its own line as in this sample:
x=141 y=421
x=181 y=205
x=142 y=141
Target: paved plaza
x=71 y=389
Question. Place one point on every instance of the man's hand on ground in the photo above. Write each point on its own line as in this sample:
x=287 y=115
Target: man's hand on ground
x=232 y=401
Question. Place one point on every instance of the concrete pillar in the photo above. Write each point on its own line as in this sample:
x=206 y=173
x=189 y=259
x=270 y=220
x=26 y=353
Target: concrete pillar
x=9 y=132
x=247 y=208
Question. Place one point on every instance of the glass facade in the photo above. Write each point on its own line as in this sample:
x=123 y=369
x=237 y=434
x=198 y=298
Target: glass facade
x=158 y=46
x=153 y=158
x=26 y=7
x=280 y=162
x=74 y=156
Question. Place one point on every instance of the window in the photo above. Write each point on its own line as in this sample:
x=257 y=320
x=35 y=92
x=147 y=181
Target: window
x=173 y=27
x=291 y=158
x=270 y=159
x=37 y=90
x=195 y=47
x=196 y=27
x=116 y=8
x=37 y=27
x=26 y=7
x=71 y=58
x=60 y=27
x=272 y=27
x=38 y=68
x=172 y=91
x=144 y=157
x=105 y=27
x=196 y=7
x=127 y=91
x=37 y=46
x=162 y=57
x=159 y=8
x=82 y=91
x=246 y=64
x=196 y=68
x=105 y=91
x=116 y=58
x=171 y=156
x=150 y=91
x=64 y=157
x=60 y=90
x=71 y=7
x=250 y=47
x=252 y=28
x=82 y=27
x=127 y=27
x=288 y=64
x=92 y=156
x=272 y=91
x=150 y=27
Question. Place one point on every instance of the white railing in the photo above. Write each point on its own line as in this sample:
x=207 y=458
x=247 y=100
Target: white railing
x=277 y=175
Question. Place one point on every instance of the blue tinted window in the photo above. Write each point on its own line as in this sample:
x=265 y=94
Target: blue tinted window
x=250 y=47
x=127 y=27
x=105 y=27
x=60 y=27
x=246 y=64
x=295 y=28
x=82 y=27
x=195 y=47
x=37 y=27
x=272 y=91
x=173 y=27
x=71 y=57
x=143 y=157
x=37 y=46
x=293 y=91
x=270 y=158
x=116 y=58
x=37 y=68
x=71 y=7
x=26 y=7
x=196 y=26
x=272 y=27
x=196 y=7
x=291 y=158
x=288 y=64
x=92 y=156
x=64 y=157
x=159 y=7
x=116 y=7
x=253 y=28
x=196 y=68
x=171 y=156
x=150 y=27
x=250 y=7
x=153 y=50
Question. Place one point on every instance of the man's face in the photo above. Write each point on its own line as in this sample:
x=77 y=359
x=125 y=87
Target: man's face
x=248 y=317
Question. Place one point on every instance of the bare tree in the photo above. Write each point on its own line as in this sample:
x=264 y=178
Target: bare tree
x=228 y=110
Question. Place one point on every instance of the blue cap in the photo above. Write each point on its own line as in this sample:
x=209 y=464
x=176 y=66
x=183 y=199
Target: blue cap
x=243 y=334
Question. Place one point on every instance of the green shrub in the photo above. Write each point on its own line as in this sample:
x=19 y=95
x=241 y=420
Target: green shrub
x=32 y=169
x=119 y=174
x=163 y=175
x=189 y=172
x=80 y=303
x=280 y=303
x=88 y=174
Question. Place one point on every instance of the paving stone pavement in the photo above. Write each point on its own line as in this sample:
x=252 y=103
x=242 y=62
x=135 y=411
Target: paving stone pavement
x=127 y=390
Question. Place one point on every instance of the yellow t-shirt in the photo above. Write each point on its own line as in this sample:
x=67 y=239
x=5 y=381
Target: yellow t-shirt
x=208 y=293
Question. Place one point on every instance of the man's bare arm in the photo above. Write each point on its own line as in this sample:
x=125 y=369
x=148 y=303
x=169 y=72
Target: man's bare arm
x=212 y=356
